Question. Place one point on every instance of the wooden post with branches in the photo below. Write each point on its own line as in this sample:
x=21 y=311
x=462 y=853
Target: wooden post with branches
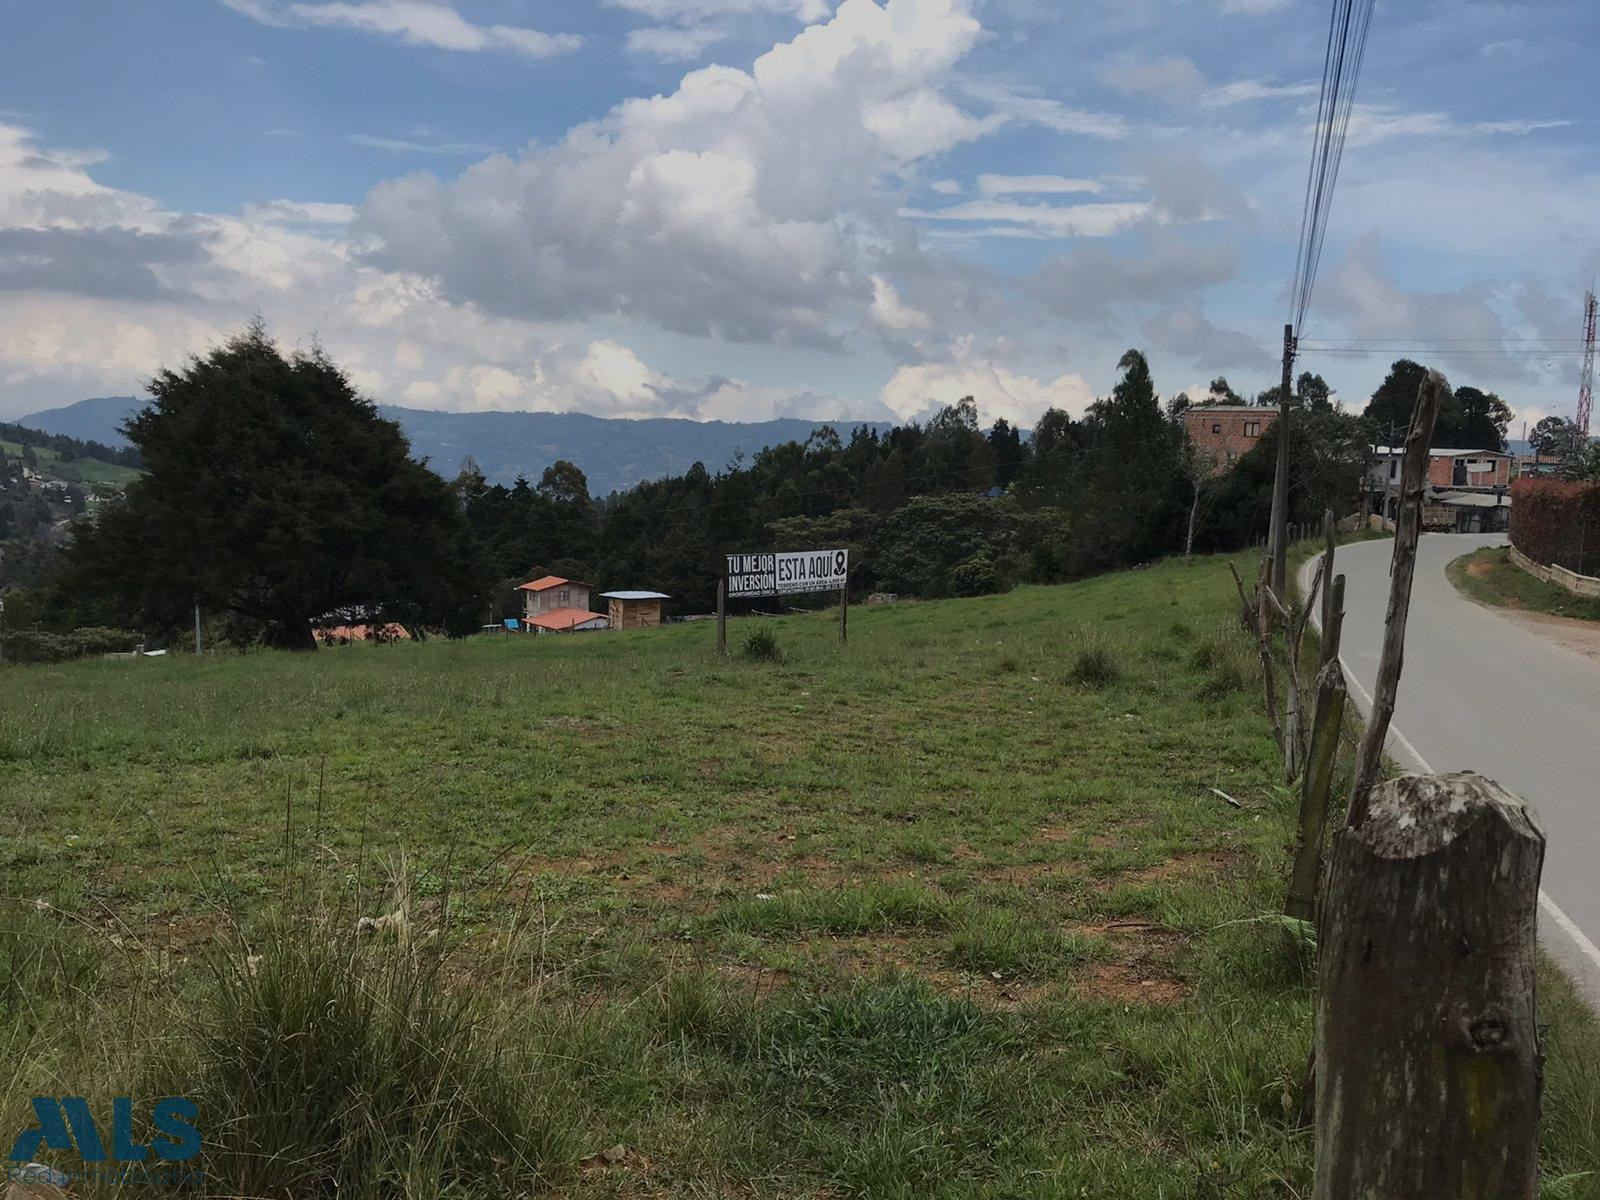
x=1427 y=1048
x=1408 y=533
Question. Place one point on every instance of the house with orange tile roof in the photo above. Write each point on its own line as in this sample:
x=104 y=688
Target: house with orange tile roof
x=552 y=604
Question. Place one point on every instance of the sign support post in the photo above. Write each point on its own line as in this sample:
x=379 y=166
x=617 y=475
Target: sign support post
x=844 y=614
x=722 y=615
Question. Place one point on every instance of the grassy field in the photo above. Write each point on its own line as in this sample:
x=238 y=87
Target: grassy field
x=1490 y=577
x=85 y=471
x=952 y=911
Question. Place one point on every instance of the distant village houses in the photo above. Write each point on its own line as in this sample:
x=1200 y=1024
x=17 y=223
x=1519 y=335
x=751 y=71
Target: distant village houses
x=1468 y=490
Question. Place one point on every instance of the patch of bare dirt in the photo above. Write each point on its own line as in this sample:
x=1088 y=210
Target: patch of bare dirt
x=1574 y=633
x=1118 y=983
x=1480 y=568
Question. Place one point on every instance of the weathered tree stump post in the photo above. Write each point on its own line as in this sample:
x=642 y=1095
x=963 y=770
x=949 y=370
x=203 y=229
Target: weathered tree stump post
x=1316 y=793
x=1427 y=1052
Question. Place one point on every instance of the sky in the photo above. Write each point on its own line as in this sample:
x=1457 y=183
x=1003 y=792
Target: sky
x=740 y=209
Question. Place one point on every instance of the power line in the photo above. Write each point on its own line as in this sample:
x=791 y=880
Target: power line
x=1348 y=26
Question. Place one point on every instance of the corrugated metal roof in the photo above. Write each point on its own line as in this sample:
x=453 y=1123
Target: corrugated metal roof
x=634 y=596
x=1443 y=452
x=1472 y=500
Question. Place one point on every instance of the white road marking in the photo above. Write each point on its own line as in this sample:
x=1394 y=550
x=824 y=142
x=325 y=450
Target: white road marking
x=1568 y=926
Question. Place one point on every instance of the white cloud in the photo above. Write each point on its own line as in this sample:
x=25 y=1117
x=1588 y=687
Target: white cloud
x=1172 y=76
x=1035 y=185
x=1033 y=109
x=673 y=44
x=414 y=22
x=1244 y=91
x=1253 y=8
x=999 y=391
x=1003 y=218
x=299 y=212
x=893 y=314
x=737 y=205
x=701 y=10
x=408 y=146
x=946 y=187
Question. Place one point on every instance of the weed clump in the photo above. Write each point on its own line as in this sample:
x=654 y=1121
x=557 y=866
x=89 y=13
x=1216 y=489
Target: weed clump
x=1230 y=663
x=762 y=646
x=330 y=1069
x=1094 y=661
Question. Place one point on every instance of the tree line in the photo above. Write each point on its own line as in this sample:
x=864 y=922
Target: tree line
x=273 y=495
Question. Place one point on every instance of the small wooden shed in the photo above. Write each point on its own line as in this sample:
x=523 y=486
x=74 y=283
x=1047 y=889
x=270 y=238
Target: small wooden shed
x=635 y=610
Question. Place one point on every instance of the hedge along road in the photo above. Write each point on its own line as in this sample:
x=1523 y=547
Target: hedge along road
x=1480 y=692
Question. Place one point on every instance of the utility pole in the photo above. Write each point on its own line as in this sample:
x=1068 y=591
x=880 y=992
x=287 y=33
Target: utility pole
x=1389 y=484
x=1280 y=483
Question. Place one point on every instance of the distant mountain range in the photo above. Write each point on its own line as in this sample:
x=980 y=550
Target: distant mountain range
x=614 y=454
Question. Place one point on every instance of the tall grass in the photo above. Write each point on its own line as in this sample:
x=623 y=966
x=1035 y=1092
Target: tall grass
x=325 y=1066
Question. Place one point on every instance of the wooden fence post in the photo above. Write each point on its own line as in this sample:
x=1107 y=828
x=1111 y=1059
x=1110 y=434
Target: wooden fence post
x=722 y=615
x=1428 y=1067
x=1408 y=532
x=1316 y=791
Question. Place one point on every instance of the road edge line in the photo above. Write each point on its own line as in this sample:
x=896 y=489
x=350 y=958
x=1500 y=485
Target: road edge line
x=1567 y=925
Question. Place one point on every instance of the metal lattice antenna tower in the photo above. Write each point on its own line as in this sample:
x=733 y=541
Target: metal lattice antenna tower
x=1586 y=389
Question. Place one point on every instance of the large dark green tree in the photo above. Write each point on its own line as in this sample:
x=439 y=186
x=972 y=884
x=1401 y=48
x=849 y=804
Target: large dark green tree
x=274 y=493
x=1470 y=419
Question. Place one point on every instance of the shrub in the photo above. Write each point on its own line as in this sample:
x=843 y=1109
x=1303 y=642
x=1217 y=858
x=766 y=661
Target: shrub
x=762 y=646
x=325 y=1069
x=39 y=646
x=1557 y=523
x=1094 y=661
x=975 y=577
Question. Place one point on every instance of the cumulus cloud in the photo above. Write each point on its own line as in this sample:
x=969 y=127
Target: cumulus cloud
x=110 y=263
x=731 y=206
x=414 y=22
x=916 y=390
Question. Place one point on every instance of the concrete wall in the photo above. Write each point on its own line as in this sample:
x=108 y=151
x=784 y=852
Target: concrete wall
x=1578 y=585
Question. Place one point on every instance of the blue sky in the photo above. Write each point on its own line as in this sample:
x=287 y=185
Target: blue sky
x=747 y=208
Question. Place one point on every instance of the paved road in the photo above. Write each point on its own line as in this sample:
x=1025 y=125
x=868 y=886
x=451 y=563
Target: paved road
x=1482 y=691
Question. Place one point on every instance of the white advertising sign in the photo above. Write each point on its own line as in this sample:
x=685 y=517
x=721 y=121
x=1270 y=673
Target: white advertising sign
x=788 y=574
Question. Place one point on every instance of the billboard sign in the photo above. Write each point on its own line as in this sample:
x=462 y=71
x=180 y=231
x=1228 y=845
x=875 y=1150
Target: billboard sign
x=788 y=574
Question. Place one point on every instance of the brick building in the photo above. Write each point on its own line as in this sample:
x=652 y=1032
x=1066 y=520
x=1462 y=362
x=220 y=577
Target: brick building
x=1227 y=431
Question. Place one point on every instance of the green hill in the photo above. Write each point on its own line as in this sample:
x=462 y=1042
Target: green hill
x=87 y=472
x=952 y=910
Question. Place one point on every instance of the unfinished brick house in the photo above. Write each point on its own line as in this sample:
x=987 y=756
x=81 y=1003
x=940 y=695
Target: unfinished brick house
x=1227 y=431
